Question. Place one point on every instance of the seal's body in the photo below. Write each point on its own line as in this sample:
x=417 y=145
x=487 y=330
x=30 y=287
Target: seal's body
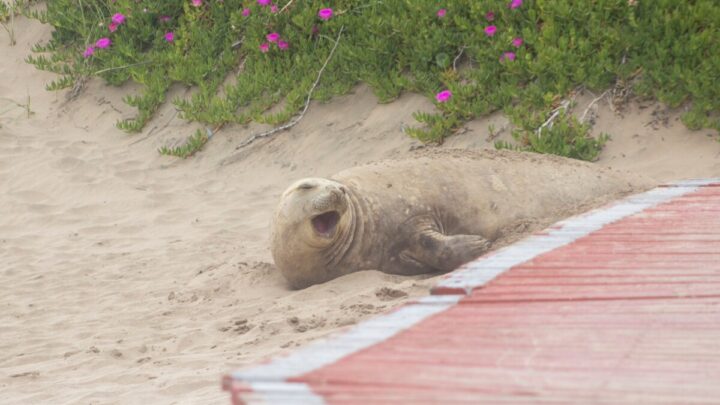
x=427 y=214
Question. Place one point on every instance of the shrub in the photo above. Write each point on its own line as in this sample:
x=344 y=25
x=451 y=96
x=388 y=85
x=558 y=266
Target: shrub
x=522 y=57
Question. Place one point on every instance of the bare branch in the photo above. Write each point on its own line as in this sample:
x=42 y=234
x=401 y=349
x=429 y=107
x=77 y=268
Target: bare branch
x=462 y=49
x=549 y=123
x=598 y=98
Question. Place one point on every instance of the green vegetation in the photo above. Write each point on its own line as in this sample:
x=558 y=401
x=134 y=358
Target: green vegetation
x=193 y=144
x=7 y=19
x=567 y=137
x=538 y=53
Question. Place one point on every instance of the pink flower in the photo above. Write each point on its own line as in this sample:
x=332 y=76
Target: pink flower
x=273 y=9
x=272 y=37
x=246 y=12
x=515 y=4
x=165 y=18
x=170 y=36
x=88 y=52
x=490 y=30
x=197 y=3
x=112 y=27
x=489 y=16
x=443 y=96
x=263 y=2
x=118 y=18
x=283 y=45
x=517 y=42
x=103 y=43
x=264 y=47
x=325 y=13
x=507 y=56
x=441 y=13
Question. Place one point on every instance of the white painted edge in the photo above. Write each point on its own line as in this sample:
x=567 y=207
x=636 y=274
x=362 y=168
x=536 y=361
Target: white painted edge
x=281 y=393
x=268 y=381
x=479 y=272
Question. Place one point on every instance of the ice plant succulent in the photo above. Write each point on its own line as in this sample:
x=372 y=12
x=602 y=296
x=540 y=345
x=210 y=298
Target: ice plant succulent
x=197 y=3
x=441 y=13
x=325 y=13
x=443 y=96
x=246 y=12
x=169 y=36
x=283 y=45
x=112 y=27
x=118 y=18
x=88 y=52
x=489 y=16
x=515 y=4
x=490 y=30
x=103 y=43
x=517 y=42
x=272 y=37
x=264 y=47
x=507 y=56
x=264 y=2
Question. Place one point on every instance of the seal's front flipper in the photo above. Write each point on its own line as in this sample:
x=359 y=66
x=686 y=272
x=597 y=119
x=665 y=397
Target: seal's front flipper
x=448 y=252
x=409 y=265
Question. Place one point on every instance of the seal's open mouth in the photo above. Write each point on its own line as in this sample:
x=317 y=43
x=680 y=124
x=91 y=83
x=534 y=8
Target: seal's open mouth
x=324 y=224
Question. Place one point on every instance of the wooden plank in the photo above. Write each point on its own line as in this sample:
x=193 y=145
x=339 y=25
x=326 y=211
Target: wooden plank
x=528 y=350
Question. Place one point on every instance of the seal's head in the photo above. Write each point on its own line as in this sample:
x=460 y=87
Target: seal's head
x=310 y=229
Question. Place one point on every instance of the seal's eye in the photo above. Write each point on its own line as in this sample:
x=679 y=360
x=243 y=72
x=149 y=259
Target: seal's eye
x=306 y=186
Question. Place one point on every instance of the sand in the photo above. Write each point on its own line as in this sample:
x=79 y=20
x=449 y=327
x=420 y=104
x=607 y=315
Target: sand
x=126 y=276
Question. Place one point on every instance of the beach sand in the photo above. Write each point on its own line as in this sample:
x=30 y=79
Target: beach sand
x=129 y=277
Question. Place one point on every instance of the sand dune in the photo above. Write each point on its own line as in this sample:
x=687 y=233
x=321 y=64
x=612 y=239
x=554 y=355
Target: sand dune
x=126 y=276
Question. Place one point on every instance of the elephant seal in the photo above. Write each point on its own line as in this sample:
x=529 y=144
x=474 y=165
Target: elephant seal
x=429 y=213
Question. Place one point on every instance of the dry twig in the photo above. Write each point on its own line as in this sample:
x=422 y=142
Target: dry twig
x=462 y=49
x=595 y=100
x=549 y=123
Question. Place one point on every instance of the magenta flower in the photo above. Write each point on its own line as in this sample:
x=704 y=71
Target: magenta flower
x=246 y=12
x=507 y=56
x=170 y=36
x=197 y=3
x=103 y=43
x=441 y=13
x=490 y=30
x=517 y=42
x=263 y=2
x=283 y=45
x=443 y=96
x=325 y=14
x=515 y=4
x=88 y=52
x=489 y=16
x=112 y=27
x=272 y=37
x=273 y=9
x=264 y=47
x=118 y=18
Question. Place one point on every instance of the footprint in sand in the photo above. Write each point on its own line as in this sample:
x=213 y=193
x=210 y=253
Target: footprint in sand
x=71 y=164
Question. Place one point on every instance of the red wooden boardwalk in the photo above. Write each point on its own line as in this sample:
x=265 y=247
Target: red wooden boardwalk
x=620 y=305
